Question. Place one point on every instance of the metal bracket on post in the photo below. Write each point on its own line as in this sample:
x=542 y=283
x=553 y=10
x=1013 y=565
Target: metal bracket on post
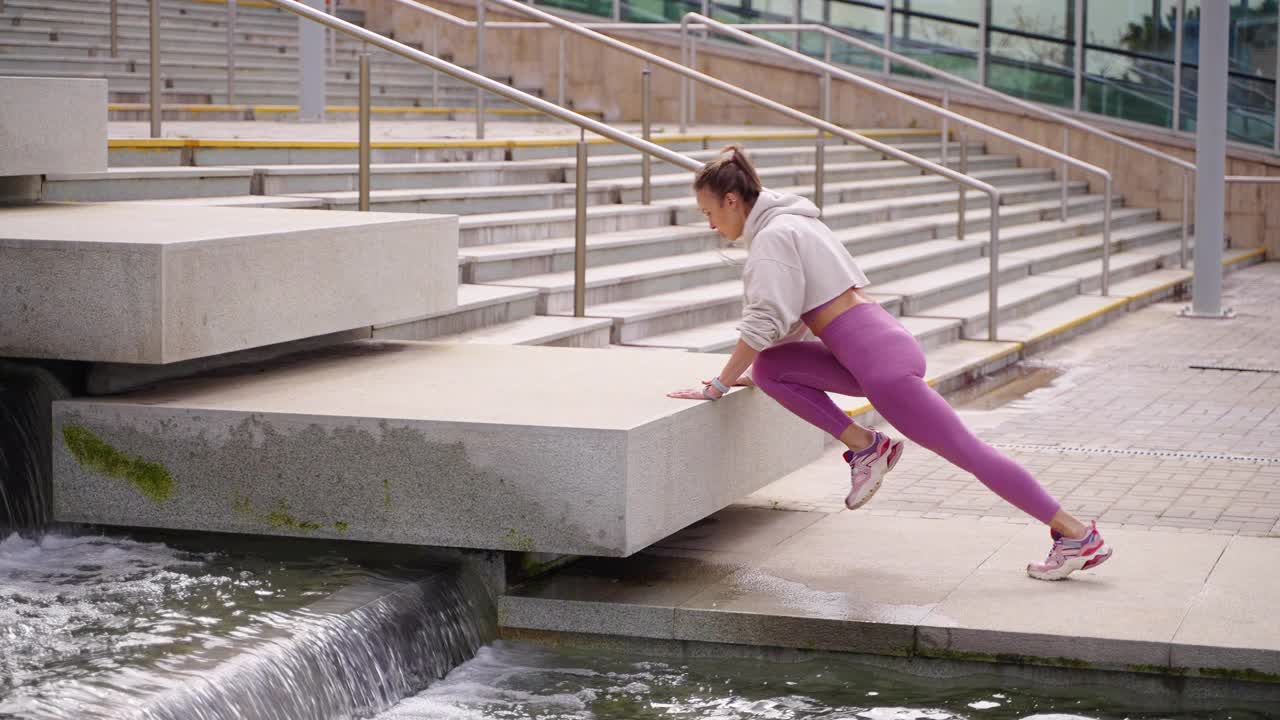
x=480 y=8
x=231 y=51
x=646 y=162
x=156 y=107
x=580 y=233
x=365 y=142
x=964 y=170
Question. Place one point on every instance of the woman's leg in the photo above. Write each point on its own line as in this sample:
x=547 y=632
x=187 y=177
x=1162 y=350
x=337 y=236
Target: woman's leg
x=798 y=375
x=889 y=366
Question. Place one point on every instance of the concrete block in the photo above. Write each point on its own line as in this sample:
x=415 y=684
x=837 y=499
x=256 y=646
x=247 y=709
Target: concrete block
x=153 y=284
x=475 y=446
x=52 y=125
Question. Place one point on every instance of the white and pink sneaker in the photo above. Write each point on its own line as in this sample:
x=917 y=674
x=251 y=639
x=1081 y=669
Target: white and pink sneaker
x=867 y=471
x=1067 y=555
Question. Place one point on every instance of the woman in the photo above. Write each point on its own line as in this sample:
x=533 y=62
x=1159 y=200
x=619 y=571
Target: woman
x=799 y=278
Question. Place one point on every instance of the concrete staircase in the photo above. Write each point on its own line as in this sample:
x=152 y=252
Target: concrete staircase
x=71 y=38
x=657 y=277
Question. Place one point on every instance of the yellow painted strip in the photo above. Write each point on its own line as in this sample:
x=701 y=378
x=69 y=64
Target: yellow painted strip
x=1122 y=302
x=1256 y=252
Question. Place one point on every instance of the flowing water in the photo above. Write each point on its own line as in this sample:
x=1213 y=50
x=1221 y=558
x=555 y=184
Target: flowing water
x=218 y=628
x=513 y=681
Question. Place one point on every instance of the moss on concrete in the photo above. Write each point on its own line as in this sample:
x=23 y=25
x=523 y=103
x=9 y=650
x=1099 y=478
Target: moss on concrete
x=94 y=453
x=1006 y=658
x=1246 y=674
x=340 y=526
x=282 y=519
x=518 y=540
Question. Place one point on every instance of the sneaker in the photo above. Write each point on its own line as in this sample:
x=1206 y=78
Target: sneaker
x=1066 y=556
x=866 y=472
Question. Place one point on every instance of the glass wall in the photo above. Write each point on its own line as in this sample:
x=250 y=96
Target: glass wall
x=1031 y=49
x=1128 y=53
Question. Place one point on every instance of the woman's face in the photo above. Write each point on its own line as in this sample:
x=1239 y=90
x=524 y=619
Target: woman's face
x=727 y=215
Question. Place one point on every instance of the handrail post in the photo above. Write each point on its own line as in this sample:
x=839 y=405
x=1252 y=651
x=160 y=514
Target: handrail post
x=115 y=27
x=1186 y=219
x=888 y=36
x=1077 y=61
x=693 y=87
x=684 y=81
x=580 y=233
x=1179 y=13
x=946 y=125
x=820 y=149
x=646 y=163
x=1106 y=237
x=231 y=50
x=435 y=74
x=993 y=277
x=480 y=7
x=1066 y=149
x=560 y=86
x=154 y=37
x=365 y=143
x=964 y=170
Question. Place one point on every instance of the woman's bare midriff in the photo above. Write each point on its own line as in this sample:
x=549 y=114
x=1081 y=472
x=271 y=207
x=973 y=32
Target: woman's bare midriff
x=838 y=307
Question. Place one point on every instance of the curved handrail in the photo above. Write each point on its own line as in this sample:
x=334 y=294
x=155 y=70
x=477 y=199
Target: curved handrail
x=824 y=126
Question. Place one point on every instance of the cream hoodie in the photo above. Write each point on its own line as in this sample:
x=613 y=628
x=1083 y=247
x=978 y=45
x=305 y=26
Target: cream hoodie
x=794 y=264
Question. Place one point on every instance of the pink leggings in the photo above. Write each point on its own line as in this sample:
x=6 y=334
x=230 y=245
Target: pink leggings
x=865 y=352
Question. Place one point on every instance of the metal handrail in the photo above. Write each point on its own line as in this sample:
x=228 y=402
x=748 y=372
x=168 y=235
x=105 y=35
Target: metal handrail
x=818 y=124
x=827 y=69
x=951 y=79
x=497 y=88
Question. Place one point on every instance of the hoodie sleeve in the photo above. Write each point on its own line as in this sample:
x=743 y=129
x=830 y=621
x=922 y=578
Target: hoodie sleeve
x=774 y=288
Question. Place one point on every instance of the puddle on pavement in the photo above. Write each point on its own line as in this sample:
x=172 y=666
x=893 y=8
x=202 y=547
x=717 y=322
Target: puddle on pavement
x=1012 y=388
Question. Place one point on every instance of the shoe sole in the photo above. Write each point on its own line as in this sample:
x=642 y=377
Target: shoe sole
x=892 y=458
x=1099 y=556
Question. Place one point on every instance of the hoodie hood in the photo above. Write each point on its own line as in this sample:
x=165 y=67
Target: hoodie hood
x=770 y=205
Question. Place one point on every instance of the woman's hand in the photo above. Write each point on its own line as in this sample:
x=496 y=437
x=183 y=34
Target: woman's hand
x=697 y=393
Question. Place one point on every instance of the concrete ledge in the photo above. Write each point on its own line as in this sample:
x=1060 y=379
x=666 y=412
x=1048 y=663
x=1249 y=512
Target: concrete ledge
x=52 y=125
x=154 y=284
x=472 y=446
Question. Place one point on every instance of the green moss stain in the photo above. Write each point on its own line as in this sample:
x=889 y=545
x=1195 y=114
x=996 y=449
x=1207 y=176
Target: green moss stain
x=340 y=526
x=1246 y=674
x=1006 y=658
x=281 y=518
x=94 y=453
x=518 y=540
x=241 y=505
x=386 y=493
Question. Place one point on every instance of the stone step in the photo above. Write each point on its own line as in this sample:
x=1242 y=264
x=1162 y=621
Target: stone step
x=659 y=314
x=790 y=154
x=1017 y=298
x=495 y=228
x=625 y=281
x=141 y=11
x=1052 y=256
x=925 y=291
x=793 y=142
x=845 y=182
x=156 y=284
x=478 y=307
x=552 y=330
x=722 y=337
x=147 y=184
x=467 y=201
x=498 y=263
x=624 y=176
x=431 y=444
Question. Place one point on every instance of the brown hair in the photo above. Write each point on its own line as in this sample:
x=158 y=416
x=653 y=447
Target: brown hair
x=732 y=172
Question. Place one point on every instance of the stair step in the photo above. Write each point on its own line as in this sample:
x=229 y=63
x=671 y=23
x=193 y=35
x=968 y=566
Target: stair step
x=496 y=228
x=479 y=306
x=555 y=330
x=1017 y=299
x=923 y=292
x=663 y=313
x=498 y=263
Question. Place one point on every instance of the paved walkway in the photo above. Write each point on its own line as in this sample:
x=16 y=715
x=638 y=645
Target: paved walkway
x=1127 y=431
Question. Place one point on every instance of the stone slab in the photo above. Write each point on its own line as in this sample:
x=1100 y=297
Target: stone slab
x=155 y=284
x=52 y=125
x=559 y=450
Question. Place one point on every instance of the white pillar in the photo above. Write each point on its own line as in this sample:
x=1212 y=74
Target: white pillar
x=311 y=66
x=1211 y=160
